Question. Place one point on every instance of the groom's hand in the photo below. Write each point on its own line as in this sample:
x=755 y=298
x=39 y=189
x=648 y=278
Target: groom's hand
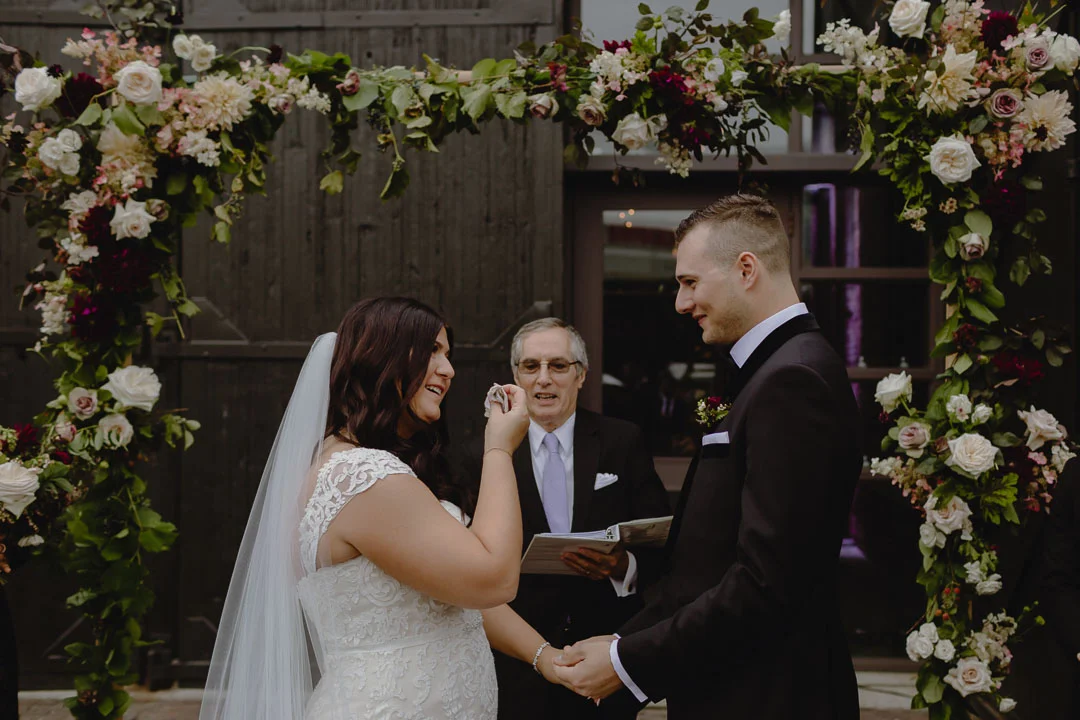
x=586 y=668
x=597 y=565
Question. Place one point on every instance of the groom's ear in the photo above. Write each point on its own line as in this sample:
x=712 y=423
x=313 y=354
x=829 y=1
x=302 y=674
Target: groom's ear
x=749 y=267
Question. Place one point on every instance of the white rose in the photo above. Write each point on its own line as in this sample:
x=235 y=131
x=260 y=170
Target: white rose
x=116 y=430
x=714 y=70
x=1065 y=53
x=31 y=541
x=591 y=110
x=959 y=406
x=18 y=485
x=952 y=160
x=930 y=536
x=83 y=403
x=134 y=386
x=973 y=246
x=972 y=453
x=737 y=77
x=1041 y=426
x=131 y=220
x=929 y=631
x=908 y=18
x=543 y=106
x=973 y=572
x=913 y=438
x=989 y=586
x=954 y=516
x=69 y=164
x=919 y=647
x=202 y=56
x=36 y=89
x=782 y=27
x=632 y=132
x=971 y=675
x=1060 y=455
x=140 y=83
x=945 y=651
x=183 y=46
x=65 y=429
x=1007 y=705
x=981 y=413
x=69 y=139
x=51 y=153
x=891 y=389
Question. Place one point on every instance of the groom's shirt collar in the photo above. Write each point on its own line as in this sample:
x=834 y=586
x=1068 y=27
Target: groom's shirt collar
x=744 y=348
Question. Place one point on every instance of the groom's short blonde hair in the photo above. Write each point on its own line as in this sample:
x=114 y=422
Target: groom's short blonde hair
x=742 y=223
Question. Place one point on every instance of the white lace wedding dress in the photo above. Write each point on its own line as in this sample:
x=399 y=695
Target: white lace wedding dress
x=390 y=652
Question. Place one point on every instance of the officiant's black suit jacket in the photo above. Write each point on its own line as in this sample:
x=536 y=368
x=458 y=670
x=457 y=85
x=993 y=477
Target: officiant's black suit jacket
x=744 y=622
x=565 y=608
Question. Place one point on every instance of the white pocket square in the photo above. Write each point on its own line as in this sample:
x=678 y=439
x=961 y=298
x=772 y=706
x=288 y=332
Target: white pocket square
x=605 y=479
x=720 y=438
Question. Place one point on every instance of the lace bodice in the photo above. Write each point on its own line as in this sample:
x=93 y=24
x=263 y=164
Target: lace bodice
x=388 y=650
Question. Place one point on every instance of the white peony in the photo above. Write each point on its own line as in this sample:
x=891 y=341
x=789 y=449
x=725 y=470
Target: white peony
x=892 y=389
x=981 y=413
x=955 y=515
x=952 y=160
x=945 y=651
x=953 y=87
x=914 y=438
x=1041 y=426
x=18 y=486
x=1060 y=455
x=972 y=453
x=51 y=153
x=714 y=70
x=633 y=132
x=116 y=431
x=202 y=56
x=738 y=76
x=183 y=47
x=139 y=83
x=131 y=220
x=1007 y=705
x=35 y=89
x=989 y=586
x=782 y=27
x=82 y=403
x=959 y=406
x=930 y=536
x=919 y=646
x=1046 y=120
x=134 y=386
x=1065 y=53
x=908 y=18
x=973 y=246
x=117 y=146
x=971 y=675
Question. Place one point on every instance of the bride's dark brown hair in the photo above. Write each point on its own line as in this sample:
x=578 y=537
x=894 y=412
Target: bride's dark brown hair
x=380 y=362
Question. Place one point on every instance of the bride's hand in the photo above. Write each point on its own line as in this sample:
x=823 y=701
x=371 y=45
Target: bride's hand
x=546 y=666
x=506 y=430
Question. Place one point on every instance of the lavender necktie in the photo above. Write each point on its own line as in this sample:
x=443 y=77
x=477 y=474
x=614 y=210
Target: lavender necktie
x=556 y=506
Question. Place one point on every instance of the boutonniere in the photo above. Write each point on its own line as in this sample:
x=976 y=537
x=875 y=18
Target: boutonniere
x=711 y=410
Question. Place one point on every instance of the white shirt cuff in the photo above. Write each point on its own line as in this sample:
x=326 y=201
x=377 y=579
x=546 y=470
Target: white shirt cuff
x=613 y=651
x=628 y=585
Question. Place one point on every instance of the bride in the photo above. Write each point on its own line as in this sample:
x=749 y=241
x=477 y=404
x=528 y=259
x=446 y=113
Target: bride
x=362 y=589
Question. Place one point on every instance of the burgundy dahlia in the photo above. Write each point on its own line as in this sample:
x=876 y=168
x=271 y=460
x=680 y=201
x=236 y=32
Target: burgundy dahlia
x=611 y=46
x=79 y=92
x=1013 y=366
x=26 y=438
x=691 y=136
x=95 y=226
x=671 y=83
x=62 y=456
x=125 y=272
x=996 y=28
x=966 y=336
x=92 y=319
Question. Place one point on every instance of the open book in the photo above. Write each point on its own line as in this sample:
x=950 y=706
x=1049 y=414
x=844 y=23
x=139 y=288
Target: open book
x=543 y=554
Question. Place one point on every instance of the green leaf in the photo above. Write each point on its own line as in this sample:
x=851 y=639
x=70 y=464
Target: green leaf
x=176 y=183
x=978 y=124
x=333 y=183
x=505 y=67
x=937 y=18
x=1020 y=271
x=980 y=311
x=126 y=121
x=90 y=116
x=477 y=99
x=1053 y=357
x=866 y=146
x=702 y=5
x=1038 y=338
x=402 y=98
x=222 y=232
x=483 y=70
x=81 y=598
x=149 y=115
x=962 y=364
x=367 y=94
x=979 y=222
x=397 y=182
x=992 y=297
x=644 y=9
x=931 y=687
x=990 y=343
x=1032 y=182
x=511 y=106
x=1006 y=439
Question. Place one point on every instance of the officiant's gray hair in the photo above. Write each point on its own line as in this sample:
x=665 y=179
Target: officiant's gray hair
x=754 y=225
x=577 y=343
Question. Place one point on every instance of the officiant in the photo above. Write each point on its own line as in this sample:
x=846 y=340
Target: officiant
x=579 y=471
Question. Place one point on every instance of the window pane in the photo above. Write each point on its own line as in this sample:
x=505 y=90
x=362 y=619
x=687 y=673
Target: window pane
x=875 y=324
x=655 y=365
x=850 y=227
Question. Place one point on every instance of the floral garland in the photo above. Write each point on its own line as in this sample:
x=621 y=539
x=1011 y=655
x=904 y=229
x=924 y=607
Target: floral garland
x=116 y=163
x=952 y=110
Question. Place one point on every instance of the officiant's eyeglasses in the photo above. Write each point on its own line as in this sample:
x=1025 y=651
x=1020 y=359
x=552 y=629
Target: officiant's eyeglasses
x=555 y=367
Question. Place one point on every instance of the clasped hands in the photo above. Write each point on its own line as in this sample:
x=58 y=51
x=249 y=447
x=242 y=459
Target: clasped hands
x=585 y=667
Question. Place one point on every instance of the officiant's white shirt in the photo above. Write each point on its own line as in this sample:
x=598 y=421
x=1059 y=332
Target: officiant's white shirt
x=565 y=435
x=740 y=353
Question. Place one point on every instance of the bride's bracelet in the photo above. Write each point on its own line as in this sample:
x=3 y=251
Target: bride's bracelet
x=508 y=453
x=536 y=657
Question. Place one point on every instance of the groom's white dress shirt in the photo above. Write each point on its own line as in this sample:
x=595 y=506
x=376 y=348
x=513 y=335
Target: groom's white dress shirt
x=740 y=353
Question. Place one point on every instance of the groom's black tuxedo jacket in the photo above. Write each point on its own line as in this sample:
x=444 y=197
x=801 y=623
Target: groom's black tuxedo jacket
x=743 y=622
x=568 y=608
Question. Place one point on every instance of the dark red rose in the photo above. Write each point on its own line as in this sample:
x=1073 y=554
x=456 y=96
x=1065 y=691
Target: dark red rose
x=671 y=83
x=611 y=46
x=1013 y=366
x=79 y=91
x=62 y=456
x=714 y=401
x=125 y=272
x=966 y=336
x=92 y=319
x=974 y=285
x=691 y=136
x=26 y=438
x=95 y=226
x=996 y=28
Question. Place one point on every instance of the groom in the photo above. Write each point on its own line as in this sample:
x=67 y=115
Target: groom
x=744 y=622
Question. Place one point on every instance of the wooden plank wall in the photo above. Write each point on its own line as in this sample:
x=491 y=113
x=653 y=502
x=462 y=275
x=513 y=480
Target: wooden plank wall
x=479 y=235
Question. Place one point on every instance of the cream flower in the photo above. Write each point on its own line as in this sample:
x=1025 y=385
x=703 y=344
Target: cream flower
x=972 y=453
x=139 y=83
x=35 y=88
x=971 y=675
x=18 y=486
x=952 y=160
x=908 y=18
x=954 y=515
x=134 y=386
x=131 y=220
x=959 y=406
x=116 y=431
x=953 y=87
x=1041 y=427
x=1046 y=120
x=892 y=389
x=220 y=101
